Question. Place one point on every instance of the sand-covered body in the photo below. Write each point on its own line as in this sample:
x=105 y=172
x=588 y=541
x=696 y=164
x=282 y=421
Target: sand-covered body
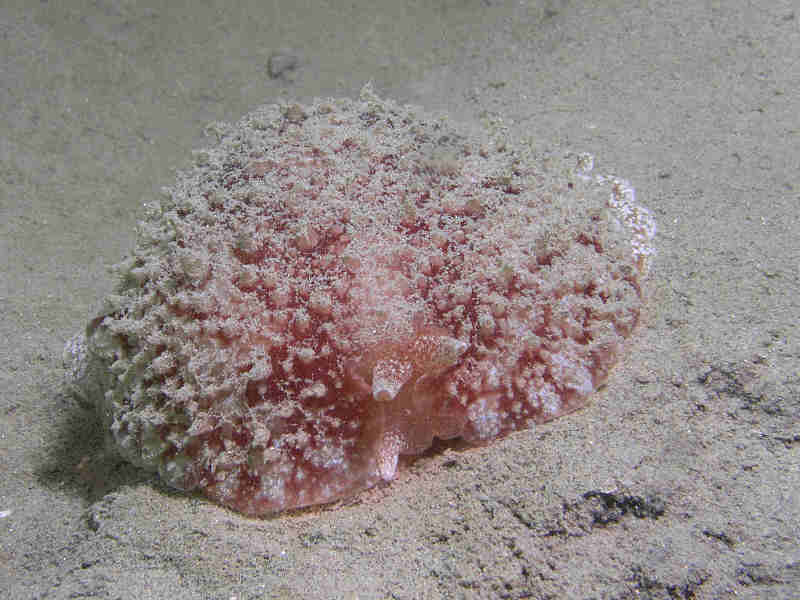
x=332 y=286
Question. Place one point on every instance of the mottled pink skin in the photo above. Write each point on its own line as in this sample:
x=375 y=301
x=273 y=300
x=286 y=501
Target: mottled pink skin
x=436 y=392
x=339 y=285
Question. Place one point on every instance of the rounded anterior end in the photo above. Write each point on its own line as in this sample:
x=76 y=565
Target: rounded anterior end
x=408 y=409
x=333 y=286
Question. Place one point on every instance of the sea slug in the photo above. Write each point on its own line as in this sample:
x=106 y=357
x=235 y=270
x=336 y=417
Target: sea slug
x=332 y=286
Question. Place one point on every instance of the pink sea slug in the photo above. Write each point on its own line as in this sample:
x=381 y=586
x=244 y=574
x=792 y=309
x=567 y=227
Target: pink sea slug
x=333 y=286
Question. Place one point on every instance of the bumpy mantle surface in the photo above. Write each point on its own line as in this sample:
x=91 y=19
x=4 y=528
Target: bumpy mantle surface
x=332 y=286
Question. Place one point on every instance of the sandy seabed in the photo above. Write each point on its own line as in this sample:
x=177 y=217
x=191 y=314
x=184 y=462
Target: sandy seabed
x=678 y=481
